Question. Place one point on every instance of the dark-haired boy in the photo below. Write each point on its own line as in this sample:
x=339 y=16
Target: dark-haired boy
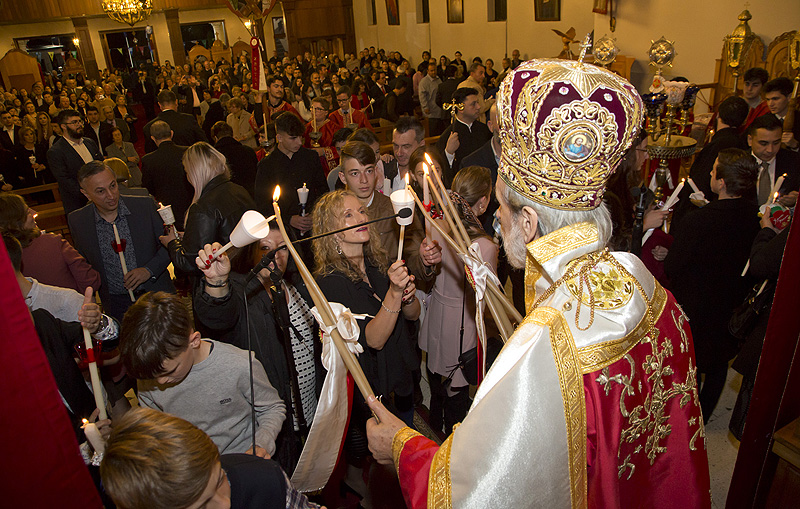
x=754 y=80
x=201 y=380
x=777 y=93
x=291 y=166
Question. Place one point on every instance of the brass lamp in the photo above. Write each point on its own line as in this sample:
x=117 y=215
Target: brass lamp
x=736 y=45
x=128 y=11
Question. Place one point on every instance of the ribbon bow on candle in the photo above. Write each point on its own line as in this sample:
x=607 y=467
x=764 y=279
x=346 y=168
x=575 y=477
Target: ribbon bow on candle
x=479 y=273
x=346 y=325
x=480 y=270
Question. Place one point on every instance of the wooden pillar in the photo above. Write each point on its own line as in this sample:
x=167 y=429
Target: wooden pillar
x=86 y=48
x=290 y=24
x=175 y=37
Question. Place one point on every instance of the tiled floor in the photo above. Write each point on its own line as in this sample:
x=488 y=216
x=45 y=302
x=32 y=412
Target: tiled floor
x=722 y=446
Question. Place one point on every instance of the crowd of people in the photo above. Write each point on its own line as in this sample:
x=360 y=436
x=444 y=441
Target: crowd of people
x=212 y=148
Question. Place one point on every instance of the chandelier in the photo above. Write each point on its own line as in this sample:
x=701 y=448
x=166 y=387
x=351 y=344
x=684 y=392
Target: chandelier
x=128 y=11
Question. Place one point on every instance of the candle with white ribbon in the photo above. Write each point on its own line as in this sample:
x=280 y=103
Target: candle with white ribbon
x=121 y=252
x=671 y=201
x=323 y=306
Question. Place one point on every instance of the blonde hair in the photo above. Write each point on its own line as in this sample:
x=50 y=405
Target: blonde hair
x=156 y=461
x=202 y=163
x=119 y=168
x=328 y=258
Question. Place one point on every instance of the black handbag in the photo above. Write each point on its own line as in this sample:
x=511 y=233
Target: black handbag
x=468 y=361
x=746 y=315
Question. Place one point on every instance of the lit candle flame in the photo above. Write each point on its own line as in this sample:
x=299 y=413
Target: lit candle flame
x=428 y=158
x=775 y=197
x=407 y=181
x=277 y=194
x=425 y=167
x=85 y=421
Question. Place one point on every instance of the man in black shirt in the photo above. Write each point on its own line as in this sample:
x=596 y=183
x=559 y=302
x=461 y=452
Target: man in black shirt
x=465 y=135
x=290 y=166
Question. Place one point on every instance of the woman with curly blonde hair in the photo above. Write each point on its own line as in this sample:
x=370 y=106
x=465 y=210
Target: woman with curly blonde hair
x=352 y=269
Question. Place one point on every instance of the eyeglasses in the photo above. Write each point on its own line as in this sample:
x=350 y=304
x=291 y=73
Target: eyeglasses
x=74 y=122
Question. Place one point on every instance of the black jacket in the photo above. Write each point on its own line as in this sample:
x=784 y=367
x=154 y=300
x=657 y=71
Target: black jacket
x=185 y=129
x=163 y=176
x=242 y=161
x=705 y=263
x=469 y=140
x=210 y=219
x=106 y=136
x=64 y=162
x=216 y=113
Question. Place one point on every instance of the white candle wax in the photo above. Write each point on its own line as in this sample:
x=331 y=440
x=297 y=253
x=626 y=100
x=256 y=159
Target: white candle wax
x=776 y=189
x=691 y=183
x=94 y=375
x=122 y=258
x=94 y=437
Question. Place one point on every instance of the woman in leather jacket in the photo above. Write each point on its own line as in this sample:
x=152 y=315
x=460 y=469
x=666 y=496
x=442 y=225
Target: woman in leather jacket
x=217 y=206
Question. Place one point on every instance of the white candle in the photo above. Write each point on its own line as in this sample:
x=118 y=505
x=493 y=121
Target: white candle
x=426 y=193
x=674 y=197
x=122 y=258
x=302 y=195
x=94 y=374
x=93 y=436
x=776 y=189
x=691 y=183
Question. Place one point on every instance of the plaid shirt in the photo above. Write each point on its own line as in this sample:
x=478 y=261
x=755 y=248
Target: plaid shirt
x=295 y=499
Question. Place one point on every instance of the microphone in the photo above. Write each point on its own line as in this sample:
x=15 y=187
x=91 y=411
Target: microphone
x=402 y=214
x=265 y=262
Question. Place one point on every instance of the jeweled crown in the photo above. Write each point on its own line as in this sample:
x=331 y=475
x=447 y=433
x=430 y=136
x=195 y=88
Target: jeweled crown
x=564 y=127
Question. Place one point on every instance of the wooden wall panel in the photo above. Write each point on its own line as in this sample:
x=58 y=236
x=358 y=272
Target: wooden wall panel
x=39 y=10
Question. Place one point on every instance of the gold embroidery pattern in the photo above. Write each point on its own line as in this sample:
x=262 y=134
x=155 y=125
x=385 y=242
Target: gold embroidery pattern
x=567 y=239
x=439 y=484
x=600 y=355
x=610 y=288
x=571 y=382
x=399 y=441
x=648 y=423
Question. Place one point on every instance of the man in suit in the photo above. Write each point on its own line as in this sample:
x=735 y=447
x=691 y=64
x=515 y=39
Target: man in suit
x=378 y=92
x=186 y=130
x=112 y=121
x=9 y=134
x=241 y=158
x=136 y=221
x=145 y=92
x=777 y=93
x=98 y=132
x=446 y=88
x=67 y=155
x=465 y=135
x=764 y=138
x=163 y=174
x=408 y=136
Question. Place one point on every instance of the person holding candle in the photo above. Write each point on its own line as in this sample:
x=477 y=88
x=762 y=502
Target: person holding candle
x=359 y=176
x=707 y=258
x=221 y=308
x=353 y=269
x=764 y=138
x=216 y=207
x=452 y=302
x=347 y=114
x=561 y=399
x=138 y=226
x=320 y=123
x=59 y=336
x=290 y=166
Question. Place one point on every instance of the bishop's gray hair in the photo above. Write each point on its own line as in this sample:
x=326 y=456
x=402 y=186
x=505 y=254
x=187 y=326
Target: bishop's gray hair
x=551 y=219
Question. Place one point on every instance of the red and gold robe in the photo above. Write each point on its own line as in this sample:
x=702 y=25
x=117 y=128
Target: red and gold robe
x=581 y=408
x=357 y=118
